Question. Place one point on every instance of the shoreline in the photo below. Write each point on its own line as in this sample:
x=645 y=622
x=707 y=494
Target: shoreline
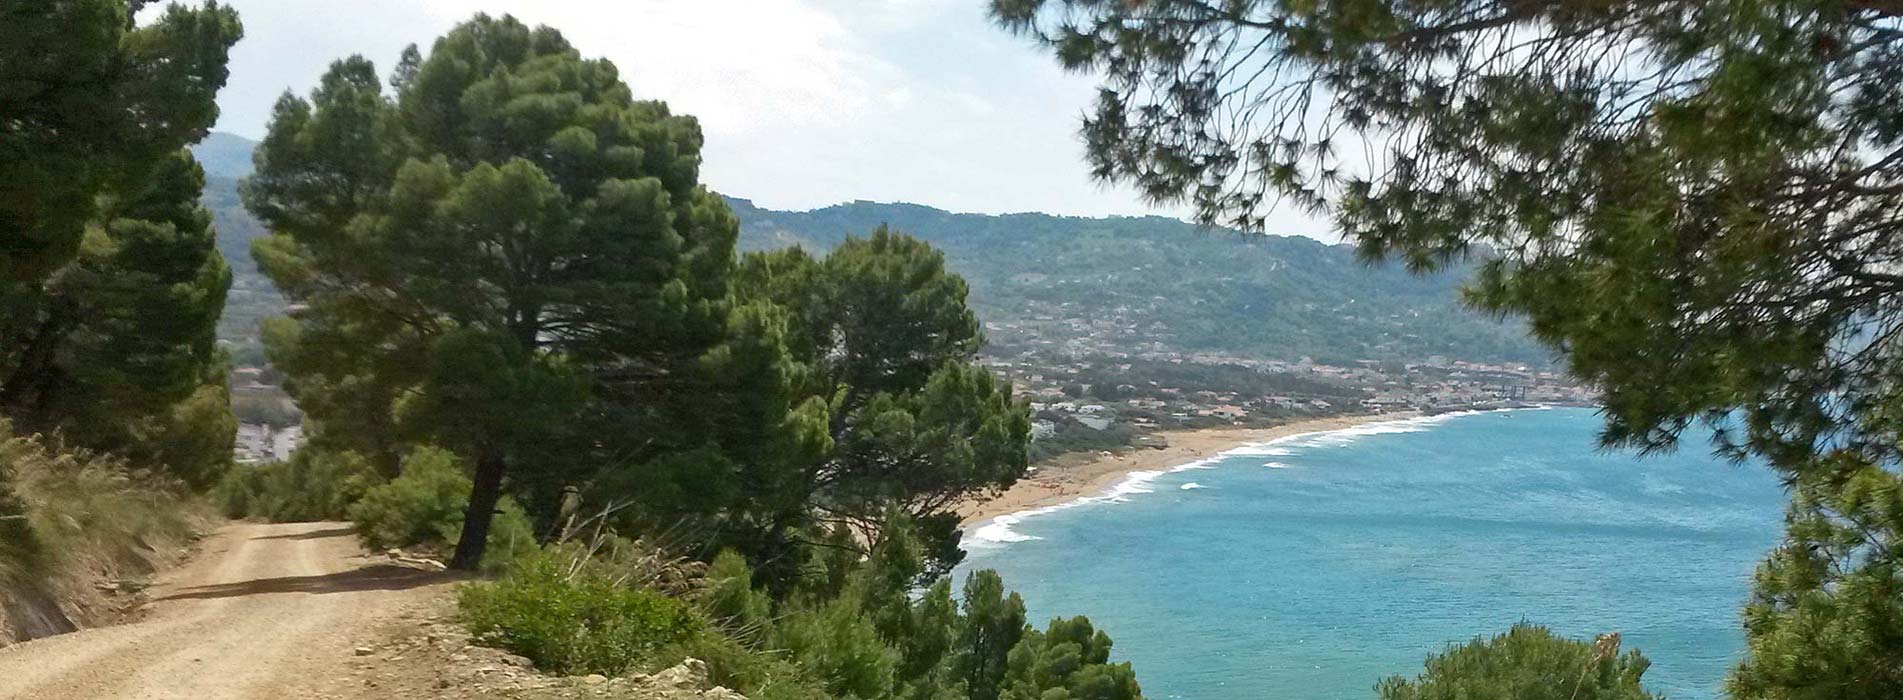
x=1053 y=485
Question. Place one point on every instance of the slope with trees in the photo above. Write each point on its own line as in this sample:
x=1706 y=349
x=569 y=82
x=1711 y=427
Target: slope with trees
x=518 y=312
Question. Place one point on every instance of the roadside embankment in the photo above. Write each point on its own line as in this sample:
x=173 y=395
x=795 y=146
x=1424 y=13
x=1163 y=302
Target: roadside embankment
x=80 y=536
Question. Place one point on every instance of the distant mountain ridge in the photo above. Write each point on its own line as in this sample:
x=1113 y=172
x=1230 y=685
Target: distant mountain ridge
x=225 y=155
x=1130 y=282
x=1075 y=284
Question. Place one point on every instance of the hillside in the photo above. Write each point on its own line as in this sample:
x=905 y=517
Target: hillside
x=1130 y=283
x=1078 y=285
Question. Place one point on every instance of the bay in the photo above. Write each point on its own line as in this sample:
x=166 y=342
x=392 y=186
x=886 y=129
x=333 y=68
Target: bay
x=1310 y=568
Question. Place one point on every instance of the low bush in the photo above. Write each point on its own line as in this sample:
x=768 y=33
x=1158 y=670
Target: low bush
x=730 y=597
x=424 y=506
x=1528 y=662
x=311 y=485
x=568 y=617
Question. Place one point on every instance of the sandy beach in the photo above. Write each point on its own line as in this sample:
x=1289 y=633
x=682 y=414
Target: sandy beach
x=1052 y=484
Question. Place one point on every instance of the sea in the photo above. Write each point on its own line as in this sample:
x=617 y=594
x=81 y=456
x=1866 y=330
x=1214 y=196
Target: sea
x=1311 y=567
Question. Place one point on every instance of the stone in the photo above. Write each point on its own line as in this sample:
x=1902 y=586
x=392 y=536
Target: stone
x=365 y=651
x=689 y=674
x=594 y=679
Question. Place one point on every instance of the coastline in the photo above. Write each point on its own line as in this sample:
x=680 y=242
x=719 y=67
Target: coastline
x=1053 y=485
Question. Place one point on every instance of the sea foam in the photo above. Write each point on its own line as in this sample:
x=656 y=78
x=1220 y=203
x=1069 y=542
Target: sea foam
x=999 y=531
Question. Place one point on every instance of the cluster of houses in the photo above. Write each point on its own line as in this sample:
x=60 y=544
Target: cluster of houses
x=1432 y=385
x=258 y=443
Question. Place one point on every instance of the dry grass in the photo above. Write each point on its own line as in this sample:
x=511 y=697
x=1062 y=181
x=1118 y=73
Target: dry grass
x=589 y=543
x=70 y=520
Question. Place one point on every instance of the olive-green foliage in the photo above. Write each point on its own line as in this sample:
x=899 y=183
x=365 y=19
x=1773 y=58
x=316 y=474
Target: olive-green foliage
x=869 y=632
x=761 y=675
x=424 y=506
x=993 y=625
x=731 y=599
x=574 y=619
x=1527 y=662
x=311 y=485
x=858 y=628
x=885 y=347
x=837 y=643
x=20 y=549
x=110 y=282
x=117 y=349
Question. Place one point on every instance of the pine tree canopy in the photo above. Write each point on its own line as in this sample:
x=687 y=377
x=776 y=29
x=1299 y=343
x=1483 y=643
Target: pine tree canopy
x=90 y=101
x=111 y=284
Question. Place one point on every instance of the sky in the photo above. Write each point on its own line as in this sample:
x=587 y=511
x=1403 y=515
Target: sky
x=805 y=103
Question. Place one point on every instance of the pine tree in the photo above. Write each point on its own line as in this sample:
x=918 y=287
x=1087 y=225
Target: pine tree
x=910 y=418
x=508 y=235
x=109 y=280
x=1527 y=662
x=123 y=356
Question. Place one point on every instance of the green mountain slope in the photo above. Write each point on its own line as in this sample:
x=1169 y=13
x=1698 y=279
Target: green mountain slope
x=226 y=158
x=1132 y=283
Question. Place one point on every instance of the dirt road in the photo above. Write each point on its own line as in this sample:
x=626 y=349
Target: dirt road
x=264 y=611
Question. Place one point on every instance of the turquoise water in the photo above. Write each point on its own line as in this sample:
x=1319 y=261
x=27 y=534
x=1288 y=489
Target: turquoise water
x=1310 y=568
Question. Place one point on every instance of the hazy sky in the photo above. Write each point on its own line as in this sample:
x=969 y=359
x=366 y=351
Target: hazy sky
x=805 y=103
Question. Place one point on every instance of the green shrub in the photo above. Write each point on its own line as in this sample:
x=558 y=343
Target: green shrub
x=569 y=618
x=760 y=675
x=1529 y=662
x=311 y=485
x=731 y=599
x=424 y=503
x=424 y=506
x=838 y=643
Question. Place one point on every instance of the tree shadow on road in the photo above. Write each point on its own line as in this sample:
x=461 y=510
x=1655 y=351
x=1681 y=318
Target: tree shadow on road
x=338 y=531
x=376 y=577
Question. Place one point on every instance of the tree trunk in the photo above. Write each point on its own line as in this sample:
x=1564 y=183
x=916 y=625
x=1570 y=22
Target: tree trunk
x=25 y=395
x=487 y=490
